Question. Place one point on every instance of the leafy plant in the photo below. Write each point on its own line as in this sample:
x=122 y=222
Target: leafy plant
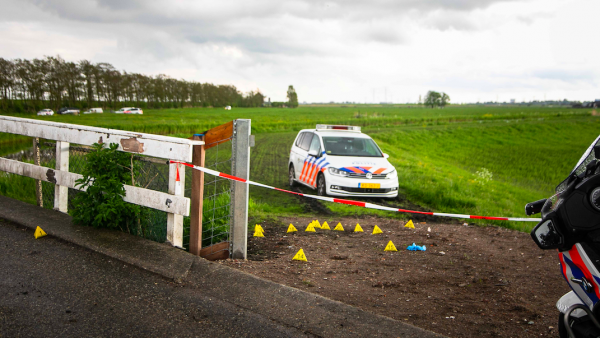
x=105 y=173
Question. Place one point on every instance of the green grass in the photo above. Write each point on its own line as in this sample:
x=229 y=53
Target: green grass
x=437 y=152
x=437 y=166
x=187 y=121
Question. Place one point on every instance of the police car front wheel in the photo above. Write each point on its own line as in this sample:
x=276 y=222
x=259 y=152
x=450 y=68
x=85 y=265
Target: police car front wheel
x=292 y=176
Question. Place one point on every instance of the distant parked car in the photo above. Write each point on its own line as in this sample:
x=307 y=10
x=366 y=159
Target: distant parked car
x=227 y=107
x=65 y=110
x=43 y=112
x=93 y=110
x=129 y=110
x=125 y=110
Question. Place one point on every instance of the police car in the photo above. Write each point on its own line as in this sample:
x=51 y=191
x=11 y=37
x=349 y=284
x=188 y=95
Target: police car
x=341 y=161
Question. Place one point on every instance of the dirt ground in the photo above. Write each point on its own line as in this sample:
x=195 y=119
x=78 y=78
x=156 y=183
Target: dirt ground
x=470 y=282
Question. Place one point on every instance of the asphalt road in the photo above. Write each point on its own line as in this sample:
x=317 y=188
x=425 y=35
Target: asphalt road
x=51 y=288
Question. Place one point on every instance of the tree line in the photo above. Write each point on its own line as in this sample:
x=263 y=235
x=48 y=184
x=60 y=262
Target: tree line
x=51 y=82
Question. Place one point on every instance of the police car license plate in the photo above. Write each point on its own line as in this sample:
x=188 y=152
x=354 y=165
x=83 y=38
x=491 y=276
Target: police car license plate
x=369 y=185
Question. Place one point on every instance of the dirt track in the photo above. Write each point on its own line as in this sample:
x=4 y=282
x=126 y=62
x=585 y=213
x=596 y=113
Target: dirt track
x=489 y=282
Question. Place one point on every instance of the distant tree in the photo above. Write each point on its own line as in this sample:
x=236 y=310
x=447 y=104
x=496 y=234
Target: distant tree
x=445 y=99
x=292 y=97
x=434 y=99
x=7 y=81
x=252 y=99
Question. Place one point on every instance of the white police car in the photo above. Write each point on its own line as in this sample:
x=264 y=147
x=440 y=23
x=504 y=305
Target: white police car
x=341 y=161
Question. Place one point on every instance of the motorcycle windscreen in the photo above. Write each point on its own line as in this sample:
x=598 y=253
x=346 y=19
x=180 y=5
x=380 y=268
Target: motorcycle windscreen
x=587 y=157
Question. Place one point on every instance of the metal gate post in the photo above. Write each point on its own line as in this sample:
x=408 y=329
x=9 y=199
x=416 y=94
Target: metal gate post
x=61 y=193
x=239 y=205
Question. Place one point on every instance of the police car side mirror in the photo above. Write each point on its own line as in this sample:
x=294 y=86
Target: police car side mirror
x=386 y=156
x=313 y=153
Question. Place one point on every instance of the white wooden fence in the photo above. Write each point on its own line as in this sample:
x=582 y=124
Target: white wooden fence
x=169 y=148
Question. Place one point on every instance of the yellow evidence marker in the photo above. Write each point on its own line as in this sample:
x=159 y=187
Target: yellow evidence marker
x=325 y=226
x=376 y=230
x=390 y=247
x=300 y=256
x=358 y=228
x=310 y=228
x=291 y=228
x=257 y=226
x=316 y=224
x=39 y=233
x=409 y=225
x=339 y=227
x=258 y=233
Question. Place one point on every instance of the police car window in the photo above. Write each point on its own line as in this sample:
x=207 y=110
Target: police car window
x=299 y=140
x=351 y=146
x=306 y=141
x=315 y=144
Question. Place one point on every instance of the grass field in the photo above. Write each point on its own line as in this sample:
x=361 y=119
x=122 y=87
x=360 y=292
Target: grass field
x=440 y=154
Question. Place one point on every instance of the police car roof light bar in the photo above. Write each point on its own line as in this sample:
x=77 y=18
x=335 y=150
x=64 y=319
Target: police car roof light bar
x=332 y=127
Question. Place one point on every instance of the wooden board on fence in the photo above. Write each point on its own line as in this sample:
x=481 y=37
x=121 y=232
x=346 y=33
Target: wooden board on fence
x=217 y=135
x=167 y=147
x=216 y=252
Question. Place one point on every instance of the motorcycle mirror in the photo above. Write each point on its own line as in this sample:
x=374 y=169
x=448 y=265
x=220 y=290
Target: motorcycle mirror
x=546 y=236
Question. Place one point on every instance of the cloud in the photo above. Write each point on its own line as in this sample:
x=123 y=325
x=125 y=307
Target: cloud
x=343 y=50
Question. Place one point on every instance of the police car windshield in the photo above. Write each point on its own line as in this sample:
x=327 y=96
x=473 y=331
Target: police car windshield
x=351 y=146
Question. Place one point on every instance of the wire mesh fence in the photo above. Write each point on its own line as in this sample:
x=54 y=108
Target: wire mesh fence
x=216 y=208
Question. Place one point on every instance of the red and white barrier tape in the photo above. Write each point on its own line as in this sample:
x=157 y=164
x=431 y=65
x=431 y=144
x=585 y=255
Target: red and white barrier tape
x=356 y=203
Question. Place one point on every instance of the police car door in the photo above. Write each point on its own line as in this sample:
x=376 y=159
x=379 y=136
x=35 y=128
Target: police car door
x=306 y=160
x=315 y=148
x=303 y=143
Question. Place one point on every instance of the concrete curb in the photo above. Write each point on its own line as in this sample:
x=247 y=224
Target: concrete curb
x=313 y=314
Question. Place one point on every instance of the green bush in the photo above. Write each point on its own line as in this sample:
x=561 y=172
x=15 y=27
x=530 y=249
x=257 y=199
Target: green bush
x=105 y=173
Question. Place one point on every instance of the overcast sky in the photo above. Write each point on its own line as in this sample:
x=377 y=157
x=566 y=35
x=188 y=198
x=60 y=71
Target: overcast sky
x=340 y=50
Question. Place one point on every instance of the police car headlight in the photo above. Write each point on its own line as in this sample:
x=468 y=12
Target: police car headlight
x=337 y=172
x=392 y=174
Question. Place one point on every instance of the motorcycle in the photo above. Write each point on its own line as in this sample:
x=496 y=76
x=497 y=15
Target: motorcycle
x=571 y=224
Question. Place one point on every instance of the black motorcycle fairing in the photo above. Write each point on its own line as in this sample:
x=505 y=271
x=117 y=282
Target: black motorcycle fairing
x=577 y=210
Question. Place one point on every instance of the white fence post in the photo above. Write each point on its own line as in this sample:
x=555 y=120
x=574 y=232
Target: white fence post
x=61 y=193
x=175 y=221
x=241 y=168
x=38 y=183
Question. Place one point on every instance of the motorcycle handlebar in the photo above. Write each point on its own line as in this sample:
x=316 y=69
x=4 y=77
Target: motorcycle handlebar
x=534 y=207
